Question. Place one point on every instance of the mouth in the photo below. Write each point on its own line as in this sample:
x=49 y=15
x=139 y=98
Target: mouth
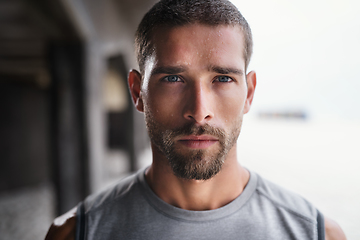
x=198 y=142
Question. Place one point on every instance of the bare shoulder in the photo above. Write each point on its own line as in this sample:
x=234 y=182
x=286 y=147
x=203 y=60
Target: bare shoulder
x=63 y=227
x=333 y=231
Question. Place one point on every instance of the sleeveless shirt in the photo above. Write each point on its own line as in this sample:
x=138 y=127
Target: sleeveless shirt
x=131 y=210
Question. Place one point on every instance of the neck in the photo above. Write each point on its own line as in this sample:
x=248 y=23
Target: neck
x=197 y=195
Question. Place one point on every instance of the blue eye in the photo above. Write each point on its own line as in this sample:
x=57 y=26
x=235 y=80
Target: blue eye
x=172 y=78
x=224 y=79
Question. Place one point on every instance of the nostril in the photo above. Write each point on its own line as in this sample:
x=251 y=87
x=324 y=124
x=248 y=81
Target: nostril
x=198 y=111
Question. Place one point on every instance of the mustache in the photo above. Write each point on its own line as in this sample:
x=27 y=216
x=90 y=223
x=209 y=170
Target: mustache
x=193 y=129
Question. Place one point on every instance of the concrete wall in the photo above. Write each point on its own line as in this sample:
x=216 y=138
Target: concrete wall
x=108 y=29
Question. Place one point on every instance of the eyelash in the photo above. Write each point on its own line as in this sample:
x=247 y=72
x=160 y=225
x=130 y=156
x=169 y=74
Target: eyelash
x=166 y=79
x=229 y=79
x=178 y=79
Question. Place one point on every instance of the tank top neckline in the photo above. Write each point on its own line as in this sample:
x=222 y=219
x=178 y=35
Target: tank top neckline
x=197 y=216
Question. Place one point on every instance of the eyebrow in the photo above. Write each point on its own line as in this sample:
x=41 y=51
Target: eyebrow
x=225 y=70
x=180 y=69
x=168 y=70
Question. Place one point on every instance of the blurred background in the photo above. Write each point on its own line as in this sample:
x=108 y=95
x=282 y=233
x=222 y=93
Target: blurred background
x=303 y=131
x=68 y=127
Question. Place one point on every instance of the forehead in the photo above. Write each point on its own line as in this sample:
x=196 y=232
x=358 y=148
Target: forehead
x=197 y=43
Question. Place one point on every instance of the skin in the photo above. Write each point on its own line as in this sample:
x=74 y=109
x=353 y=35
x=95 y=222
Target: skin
x=198 y=55
x=63 y=227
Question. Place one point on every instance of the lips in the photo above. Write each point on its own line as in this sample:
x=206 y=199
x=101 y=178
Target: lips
x=198 y=142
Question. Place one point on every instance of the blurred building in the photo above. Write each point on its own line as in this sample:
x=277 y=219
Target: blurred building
x=67 y=125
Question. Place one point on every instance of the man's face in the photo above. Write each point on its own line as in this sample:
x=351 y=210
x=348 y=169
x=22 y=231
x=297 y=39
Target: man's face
x=194 y=95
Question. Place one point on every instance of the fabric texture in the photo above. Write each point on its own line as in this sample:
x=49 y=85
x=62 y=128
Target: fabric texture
x=130 y=210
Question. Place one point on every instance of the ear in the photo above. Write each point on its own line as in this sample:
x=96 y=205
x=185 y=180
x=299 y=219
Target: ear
x=134 y=81
x=251 y=85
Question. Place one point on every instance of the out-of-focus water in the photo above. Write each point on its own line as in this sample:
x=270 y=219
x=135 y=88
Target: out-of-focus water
x=320 y=161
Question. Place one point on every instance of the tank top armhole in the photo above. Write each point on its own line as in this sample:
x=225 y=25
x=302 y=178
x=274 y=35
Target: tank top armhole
x=320 y=225
x=80 y=222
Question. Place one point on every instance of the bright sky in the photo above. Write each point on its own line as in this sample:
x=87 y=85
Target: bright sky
x=306 y=55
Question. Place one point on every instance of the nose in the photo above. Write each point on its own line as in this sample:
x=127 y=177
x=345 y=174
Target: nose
x=198 y=104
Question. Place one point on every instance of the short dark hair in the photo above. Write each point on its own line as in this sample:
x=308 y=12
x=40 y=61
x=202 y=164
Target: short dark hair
x=176 y=13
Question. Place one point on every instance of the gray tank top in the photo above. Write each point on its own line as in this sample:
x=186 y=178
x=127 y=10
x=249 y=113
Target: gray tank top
x=130 y=210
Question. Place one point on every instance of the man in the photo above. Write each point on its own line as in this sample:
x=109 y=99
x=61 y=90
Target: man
x=194 y=90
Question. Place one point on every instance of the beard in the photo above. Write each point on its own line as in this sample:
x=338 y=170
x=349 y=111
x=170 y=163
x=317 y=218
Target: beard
x=193 y=164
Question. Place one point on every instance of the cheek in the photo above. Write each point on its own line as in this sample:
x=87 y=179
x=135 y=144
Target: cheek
x=163 y=107
x=230 y=105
